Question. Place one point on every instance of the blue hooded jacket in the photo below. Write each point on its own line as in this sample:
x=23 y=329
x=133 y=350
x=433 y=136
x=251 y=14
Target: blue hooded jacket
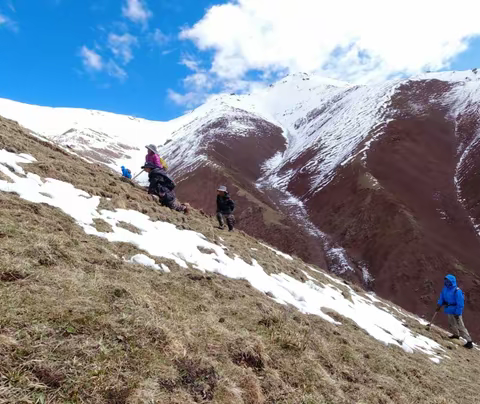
x=126 y=172
x=452 y=297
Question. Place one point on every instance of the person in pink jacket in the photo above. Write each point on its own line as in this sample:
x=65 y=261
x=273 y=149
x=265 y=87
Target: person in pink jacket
x=153 y=157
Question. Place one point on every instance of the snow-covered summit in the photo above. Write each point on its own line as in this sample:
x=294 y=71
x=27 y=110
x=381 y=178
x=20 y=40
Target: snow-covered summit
x=105 y=137
x=328 y=117
x=117 y=140
x=452 y=76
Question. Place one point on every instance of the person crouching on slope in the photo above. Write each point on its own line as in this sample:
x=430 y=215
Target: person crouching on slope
x=453 y=300
x=153 y=156
x=126 y=173
x=225 y=208
x=162 y=187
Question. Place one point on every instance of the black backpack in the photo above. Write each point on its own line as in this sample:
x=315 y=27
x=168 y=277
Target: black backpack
x=167 y=182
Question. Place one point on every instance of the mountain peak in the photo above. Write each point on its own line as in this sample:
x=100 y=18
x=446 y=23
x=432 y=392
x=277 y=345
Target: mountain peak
x=316 y=79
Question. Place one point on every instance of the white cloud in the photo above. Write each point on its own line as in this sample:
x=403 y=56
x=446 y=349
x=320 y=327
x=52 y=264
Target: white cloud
x=7 y=22
x=121 y=46
x=136 y=11
x=190 y=99
x=91 y=59
x=116 y=71
x=93 y=62
x=355 y=40
x=199 y=81
x=190 y=62
x=159 y=38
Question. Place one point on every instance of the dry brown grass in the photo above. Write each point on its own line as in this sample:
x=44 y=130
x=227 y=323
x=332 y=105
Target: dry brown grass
x=102 y=226
x=129 y=227
x=3 y=177
x=78 y=324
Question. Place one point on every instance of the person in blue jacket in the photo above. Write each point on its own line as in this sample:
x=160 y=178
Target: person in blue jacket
x=126 y=173
x=454 y=302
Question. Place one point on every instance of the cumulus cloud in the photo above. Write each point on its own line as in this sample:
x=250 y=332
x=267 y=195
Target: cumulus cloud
x=199 y=81
x=93 y=62
x=91 y=59
x=198 y=84
x=121 y=46
x=190 y=62
x=202 y=83
x=136 y=11
x=360 y=41
x=190 y=99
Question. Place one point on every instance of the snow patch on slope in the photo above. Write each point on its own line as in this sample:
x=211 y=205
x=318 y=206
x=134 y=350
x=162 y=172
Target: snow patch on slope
x=142 y=259
x=279 y=253
x=464 y=100
x=182 y=246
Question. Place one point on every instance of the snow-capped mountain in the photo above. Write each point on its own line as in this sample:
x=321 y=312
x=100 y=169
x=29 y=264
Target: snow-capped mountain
x=102 y=137
x=375 y=182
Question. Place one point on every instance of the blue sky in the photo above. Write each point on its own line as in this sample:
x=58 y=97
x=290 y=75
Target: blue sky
x=157 y=58
x=40 y=62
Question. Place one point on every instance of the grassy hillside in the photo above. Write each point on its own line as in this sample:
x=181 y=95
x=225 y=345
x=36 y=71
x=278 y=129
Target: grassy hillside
x=79 y=324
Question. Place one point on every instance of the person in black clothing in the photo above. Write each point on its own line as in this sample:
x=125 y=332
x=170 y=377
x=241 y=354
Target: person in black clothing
x=225 y=208
x=162 y=187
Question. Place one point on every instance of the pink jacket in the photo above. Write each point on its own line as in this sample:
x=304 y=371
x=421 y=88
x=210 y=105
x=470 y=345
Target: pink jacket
x=154 y=159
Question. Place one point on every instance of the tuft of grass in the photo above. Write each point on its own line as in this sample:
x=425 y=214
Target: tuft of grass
x=102 y=226
x=129 y=227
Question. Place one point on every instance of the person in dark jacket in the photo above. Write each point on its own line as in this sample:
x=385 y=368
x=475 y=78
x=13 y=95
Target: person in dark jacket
x=225 y=208
x=162 y=187
x=454 y=302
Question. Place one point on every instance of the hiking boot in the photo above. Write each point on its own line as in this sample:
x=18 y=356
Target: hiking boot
x=468 y=345
x=221 y=227
x=230 y=229
x=454 y=337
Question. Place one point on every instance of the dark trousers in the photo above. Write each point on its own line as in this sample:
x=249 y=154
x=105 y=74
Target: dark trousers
x=170 y=203
x=228 y=217
x=175 y=205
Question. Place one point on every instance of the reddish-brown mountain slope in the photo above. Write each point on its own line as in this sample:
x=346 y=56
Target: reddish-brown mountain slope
x=399 y=212
x=396 y=212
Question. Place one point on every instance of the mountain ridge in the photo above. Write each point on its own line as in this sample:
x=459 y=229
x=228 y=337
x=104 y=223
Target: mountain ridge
x=294 y=153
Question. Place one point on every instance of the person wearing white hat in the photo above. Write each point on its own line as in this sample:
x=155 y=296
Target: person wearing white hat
x=225 y=208
x=153 y=156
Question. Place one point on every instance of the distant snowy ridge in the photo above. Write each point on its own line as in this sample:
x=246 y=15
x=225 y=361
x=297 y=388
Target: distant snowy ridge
x=329 y=117
x=105 y=137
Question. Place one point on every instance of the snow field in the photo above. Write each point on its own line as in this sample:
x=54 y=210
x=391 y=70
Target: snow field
x=164 y=240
